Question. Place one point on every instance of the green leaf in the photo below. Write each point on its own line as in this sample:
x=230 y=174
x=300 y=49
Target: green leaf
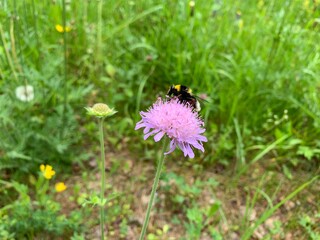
x=213 y=209
x=287 y=172
x=305 y=151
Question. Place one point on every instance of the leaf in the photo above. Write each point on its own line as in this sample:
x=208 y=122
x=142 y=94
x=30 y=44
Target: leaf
x=287 y=172
x=14 y=154
x=305 y=151
x=194 y=215
x=110 y=70
x=151 y=236
x=165 y=228
x=213 y=209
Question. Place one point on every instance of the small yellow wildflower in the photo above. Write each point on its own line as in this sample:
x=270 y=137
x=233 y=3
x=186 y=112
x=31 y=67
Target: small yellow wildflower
x=47 y=171
x=62 y=29
x=60 y=187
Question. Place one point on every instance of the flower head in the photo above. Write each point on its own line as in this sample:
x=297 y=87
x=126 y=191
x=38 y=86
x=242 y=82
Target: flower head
x=176 y=120
x=60 y=187
x=100 y=110
x=25 y=93
x=62 y=29
x=47 y=171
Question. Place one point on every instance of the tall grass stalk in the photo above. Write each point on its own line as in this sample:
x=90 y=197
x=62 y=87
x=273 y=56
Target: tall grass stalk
x=141 y=87
x=7 y=53
x=35 y=25
x=16 y=30
x=261 y=154
x=65 y=85
x=99 y=41
x=154 y=188
x=13 y=45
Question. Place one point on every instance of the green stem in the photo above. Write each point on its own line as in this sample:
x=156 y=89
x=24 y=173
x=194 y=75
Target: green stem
x=154 y=188
x=99 y=40
x=7 y=53
x=103 y=177
x=65 y=57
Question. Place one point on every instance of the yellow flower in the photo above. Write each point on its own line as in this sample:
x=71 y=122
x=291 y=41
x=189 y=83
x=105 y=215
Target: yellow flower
x=60 y=187
x=62 y=29
x=47 y=171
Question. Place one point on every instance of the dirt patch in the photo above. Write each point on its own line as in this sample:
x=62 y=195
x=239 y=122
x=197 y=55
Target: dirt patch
x=241 y=201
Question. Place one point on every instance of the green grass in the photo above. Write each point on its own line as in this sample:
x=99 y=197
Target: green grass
x=258 y=62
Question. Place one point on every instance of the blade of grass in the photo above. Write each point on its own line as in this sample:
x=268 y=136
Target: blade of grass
x=6 y=50
x=140 y=90
x=132 y=20
x=248 y=233
x=263 y=153
x=65 y=70
x=240 y=146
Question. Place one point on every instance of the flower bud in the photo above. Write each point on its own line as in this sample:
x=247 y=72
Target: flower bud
x=100 y=110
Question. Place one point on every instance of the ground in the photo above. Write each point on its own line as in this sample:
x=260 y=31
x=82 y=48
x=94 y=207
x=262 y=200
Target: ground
x=240 y=200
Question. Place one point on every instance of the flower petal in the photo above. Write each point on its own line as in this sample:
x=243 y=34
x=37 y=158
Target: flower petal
x=139 y=125
x=146 y=130
x=173 y=146
x=189 y=151
x=151 y=133
x=197 y=145
x=182 y=147
x=202 y=138
x=158 y=136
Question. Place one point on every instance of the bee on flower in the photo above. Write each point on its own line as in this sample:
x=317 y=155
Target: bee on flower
x=178 y=121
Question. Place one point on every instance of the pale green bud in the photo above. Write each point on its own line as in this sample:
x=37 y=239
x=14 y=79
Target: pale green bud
x=100 y=110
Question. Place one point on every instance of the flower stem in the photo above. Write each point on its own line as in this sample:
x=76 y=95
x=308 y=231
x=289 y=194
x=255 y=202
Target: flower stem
x=154 y=188
x=103 y=177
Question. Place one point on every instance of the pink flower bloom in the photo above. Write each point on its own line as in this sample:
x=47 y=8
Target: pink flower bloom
x=176 y=120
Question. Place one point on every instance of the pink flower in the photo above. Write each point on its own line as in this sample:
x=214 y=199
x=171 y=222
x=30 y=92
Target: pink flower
x=176 y=120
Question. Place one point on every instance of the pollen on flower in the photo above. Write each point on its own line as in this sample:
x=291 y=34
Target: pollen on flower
x=176 y=120
x=47 y=171
x=60 y=187
x=101 y=108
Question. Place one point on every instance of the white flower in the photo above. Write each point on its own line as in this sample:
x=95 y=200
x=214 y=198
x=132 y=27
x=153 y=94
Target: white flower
x=25 y=93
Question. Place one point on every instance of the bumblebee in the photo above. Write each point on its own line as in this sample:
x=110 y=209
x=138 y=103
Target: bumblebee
x=184 y=94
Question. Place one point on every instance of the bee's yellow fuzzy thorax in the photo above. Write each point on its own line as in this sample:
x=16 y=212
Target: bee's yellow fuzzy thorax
x=178 y=87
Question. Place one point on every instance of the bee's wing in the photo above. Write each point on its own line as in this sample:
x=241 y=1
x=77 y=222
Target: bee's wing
x=202 y=100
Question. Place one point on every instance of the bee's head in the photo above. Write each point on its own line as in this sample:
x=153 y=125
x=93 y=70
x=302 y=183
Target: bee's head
x=173 y=90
